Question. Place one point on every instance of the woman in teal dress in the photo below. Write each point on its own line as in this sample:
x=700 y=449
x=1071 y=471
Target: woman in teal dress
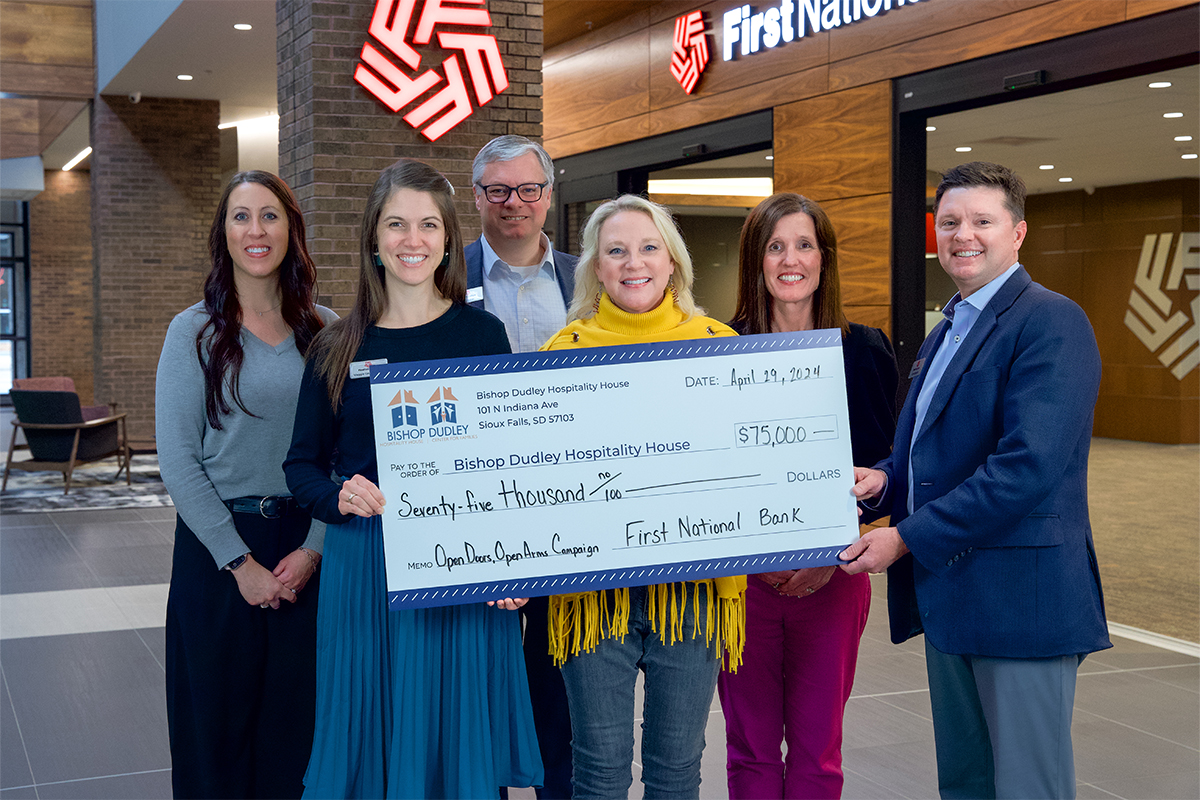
x=429 y=702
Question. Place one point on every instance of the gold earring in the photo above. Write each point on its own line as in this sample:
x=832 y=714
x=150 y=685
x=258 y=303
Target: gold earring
x=674 y=291
x=596 y=302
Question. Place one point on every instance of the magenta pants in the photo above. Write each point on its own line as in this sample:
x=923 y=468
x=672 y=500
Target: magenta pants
x=793 y=685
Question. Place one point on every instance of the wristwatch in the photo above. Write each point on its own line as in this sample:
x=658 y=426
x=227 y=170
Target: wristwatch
x=237 y=562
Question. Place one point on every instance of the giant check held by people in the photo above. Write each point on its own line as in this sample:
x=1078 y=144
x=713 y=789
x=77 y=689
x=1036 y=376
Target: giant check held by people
x=573 y=470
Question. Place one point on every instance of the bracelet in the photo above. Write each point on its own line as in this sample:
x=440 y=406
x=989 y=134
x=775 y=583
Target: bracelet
x=308 y=553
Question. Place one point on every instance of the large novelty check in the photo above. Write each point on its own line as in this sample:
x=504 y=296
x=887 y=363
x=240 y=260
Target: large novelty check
x=573 y=470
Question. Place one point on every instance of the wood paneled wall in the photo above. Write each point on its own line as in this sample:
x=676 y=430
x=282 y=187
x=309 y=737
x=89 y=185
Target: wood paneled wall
x=1088 y=247
x=831 y=93
x=46 y=62
x=613 y=85
x=836 y=149
x=46 y=49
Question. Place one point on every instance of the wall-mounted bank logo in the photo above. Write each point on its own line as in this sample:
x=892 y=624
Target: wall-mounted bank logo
x=442 y=406
x=689 y=55
x=392 y=27
x=404 y=409
x=791 y=20
x=1173 y=337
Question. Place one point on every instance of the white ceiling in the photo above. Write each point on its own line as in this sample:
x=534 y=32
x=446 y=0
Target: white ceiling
x=198 y=39
x=1104 y=135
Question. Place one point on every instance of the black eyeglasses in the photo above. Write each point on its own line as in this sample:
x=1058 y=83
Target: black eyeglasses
x=499 y=192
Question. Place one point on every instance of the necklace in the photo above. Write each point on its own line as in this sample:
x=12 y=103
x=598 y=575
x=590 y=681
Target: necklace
x=269 y=310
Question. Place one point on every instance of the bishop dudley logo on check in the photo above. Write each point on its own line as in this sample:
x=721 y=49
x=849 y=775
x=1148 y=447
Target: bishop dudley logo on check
x=546 y=473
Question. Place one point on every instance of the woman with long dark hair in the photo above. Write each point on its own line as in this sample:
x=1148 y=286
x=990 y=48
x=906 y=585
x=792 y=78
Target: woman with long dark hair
x=241 y=612
x=803 y=626
x=429 y=702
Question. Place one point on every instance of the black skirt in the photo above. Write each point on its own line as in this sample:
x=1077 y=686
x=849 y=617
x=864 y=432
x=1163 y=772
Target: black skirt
x=241 y=680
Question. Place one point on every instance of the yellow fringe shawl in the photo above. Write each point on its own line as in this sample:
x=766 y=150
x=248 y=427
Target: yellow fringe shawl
x=578 y=621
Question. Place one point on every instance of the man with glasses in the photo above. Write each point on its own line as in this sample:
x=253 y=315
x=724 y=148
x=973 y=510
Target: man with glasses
x=513 y=272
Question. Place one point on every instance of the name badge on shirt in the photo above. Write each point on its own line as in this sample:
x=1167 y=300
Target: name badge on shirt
x=362 y=369
x=474 y=294
x=916 y=368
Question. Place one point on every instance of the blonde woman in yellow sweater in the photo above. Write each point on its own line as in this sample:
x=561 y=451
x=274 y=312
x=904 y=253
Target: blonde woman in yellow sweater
x=634 y=285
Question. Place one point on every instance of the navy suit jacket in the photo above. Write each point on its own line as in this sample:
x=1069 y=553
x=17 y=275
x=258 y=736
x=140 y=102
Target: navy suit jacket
x=564 y=268
x=1002 y=561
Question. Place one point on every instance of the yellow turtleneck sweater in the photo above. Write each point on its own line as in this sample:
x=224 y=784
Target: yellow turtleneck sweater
x=578 y=621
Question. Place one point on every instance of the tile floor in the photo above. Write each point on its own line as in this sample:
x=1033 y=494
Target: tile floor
x=82 y=712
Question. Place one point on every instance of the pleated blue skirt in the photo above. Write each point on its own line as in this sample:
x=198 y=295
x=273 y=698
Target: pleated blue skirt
x=422 y=703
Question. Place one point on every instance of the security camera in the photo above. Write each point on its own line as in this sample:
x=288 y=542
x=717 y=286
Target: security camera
x=135 y=97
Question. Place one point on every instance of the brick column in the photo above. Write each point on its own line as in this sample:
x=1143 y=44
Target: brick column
x=335 y=137
x=60 y=283
x=155 y=186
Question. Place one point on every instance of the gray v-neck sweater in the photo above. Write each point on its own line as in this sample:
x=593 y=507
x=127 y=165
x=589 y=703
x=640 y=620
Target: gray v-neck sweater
x=202 y=466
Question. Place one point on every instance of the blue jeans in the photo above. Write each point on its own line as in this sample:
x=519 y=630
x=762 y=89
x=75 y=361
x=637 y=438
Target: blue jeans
x=679 y=684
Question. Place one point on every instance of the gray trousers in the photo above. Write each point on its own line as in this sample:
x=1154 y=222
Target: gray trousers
x=1002 y=726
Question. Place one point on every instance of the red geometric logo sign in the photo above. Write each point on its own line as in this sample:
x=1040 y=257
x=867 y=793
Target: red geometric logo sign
x=396 y=87
x=689 y=56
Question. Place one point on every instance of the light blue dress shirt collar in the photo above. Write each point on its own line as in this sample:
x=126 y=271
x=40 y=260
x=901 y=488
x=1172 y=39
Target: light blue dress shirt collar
x=961 y=314
x=490 y=259
x=527 y=299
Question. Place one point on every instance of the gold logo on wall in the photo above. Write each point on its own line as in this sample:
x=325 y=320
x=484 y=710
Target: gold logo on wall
x=1171 y=337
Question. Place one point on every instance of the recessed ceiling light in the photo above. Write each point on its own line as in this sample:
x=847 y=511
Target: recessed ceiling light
x=1160 y=85
x=962 y=149
x=1173 y=115
x=1065 y=180
x=183 y=77
x=770 y=158
x=1046 y=166
x=246 y=26
x=1188 y=155
x=1183 y=138
x=930 y=128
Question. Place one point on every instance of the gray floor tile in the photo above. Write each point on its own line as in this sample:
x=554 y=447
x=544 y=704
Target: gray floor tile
x=92 y=515
x=147 y=785
x=1134 y=701
x=87 y=536
x=897 y=671
x=23 y=793
x=1163 y=786
x=1086 y=791
x=155 y=640
x=15 y=762
x=1106 y=752
x=1185 y=677
x=1128 y=654
x=130 y=565
x=908 y=770
x=116 y=723
x=40 y=560
x=871 y=722
x=24 y=520
x=859 y=787
x=161 y=513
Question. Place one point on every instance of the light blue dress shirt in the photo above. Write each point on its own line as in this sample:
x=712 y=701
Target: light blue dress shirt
x=962 y=315
x=528 y=301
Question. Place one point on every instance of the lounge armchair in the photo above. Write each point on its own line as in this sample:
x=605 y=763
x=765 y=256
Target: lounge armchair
x=60 y=438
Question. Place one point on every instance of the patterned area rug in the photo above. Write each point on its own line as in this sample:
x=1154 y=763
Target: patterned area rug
x=92 y=486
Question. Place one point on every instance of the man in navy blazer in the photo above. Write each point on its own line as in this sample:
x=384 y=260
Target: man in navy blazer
x=514 y=273
x=990 y=551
